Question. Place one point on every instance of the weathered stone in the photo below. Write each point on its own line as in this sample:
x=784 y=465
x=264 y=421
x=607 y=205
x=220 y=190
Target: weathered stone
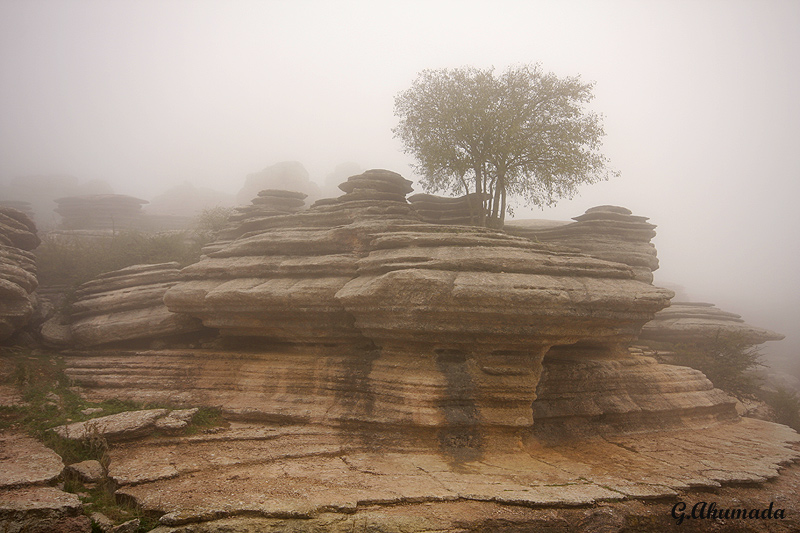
x=581 y=396
x=131 y=526
x=441 y=210
x=121 y=426
x=90 y=471
x=42 y=510
x=607 y=232
x=696 y=322
x=126 y=305
x=102 y=521
x=17 y=271
x=26 y=461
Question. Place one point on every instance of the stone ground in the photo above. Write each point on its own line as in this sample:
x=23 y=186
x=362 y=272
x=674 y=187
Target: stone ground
x=253 y=477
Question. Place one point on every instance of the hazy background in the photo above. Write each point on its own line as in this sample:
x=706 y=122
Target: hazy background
x=700 y=99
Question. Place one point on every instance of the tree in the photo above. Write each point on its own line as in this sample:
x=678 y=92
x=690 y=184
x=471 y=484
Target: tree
x=523 y=133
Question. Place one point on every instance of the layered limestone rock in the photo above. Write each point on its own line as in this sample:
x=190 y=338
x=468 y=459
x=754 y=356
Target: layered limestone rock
x=463 y=210
x=578 y=395
x=254 y=218
x=702 y=323
x=608 y=232
x=17 y=270
x=100 y=212
x=126 y=305
x=447 y=326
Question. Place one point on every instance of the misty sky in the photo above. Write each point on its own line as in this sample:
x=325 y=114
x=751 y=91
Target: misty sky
x=699 y=97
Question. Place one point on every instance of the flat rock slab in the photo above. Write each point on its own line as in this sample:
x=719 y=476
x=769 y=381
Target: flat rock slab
x=42 y=510
x=90 y=471
x=127 y=425
x=295 y=472
x=26 y=461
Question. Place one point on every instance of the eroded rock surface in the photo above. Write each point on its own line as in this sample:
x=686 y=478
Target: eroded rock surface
x=697 y=322
x=126 y=305
x=608 y=232
x=26 y=503
x=463 y=210
x=305 y=472
x=17 y=270
x=127 y=425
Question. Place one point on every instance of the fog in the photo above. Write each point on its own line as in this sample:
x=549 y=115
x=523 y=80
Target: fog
x=699 y=98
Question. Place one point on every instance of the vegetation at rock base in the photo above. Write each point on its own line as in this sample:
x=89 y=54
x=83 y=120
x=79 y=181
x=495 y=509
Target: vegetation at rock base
x=49 y=401
x=523 y=133
x=75 y=260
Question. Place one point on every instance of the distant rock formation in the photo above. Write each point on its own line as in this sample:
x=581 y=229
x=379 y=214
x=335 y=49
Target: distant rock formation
x=701 y=323
x=608 y=232
x=340 y=173
x=286 y=175
x=100 y=212
x=40 y=192
x=127 y=305
x=180 y=206
x=17 y=270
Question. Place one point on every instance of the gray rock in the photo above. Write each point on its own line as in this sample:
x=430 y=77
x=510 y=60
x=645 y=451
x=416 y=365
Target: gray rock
x=103 y=522
x=131 y=526
x=121 y=426
x=26 y=461
x=90 y=471
x=127 y=305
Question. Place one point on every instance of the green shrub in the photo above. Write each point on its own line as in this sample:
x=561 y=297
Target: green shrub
x=727 y=360
x=77 y=260
x=786 y=405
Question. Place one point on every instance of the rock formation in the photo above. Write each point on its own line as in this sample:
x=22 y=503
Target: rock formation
x=361 y=313
x=100 y=211
x=179 y=207
x=607 y=232
x=463 y=210
x=17 y=270
x=702 y=323
x=370 y=361
x=126 y=305
x=286 y=175
x=255 y=217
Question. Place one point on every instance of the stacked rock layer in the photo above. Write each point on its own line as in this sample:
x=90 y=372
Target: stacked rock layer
x=464 y=210
x=701 y=323
x=100 y=211
x=256 y=217
x=127 y=305
x=17 y=270
x=607 y=232
x=404 y=323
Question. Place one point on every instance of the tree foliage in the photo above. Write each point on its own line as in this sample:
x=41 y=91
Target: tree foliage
x=523 y=133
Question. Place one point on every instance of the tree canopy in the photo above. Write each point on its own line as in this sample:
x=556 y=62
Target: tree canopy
x=523 y=133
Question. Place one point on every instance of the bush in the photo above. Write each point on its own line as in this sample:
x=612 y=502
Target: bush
x=77 y=260
x=728 y=361
x=786 y=405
